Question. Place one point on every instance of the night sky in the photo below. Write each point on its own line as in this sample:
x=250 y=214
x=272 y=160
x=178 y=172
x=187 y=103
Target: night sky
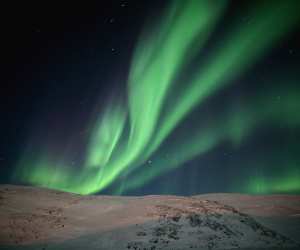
x=151 y=97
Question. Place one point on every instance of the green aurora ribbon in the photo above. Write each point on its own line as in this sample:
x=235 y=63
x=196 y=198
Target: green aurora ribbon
x=127 y=134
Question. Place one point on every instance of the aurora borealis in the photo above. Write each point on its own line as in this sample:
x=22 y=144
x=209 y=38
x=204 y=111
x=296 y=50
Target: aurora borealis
x=169 y=115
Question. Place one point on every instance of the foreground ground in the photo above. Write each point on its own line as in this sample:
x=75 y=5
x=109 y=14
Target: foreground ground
x=36 y=218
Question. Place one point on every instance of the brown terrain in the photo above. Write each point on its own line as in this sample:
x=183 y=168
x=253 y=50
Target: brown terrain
x=37 y=218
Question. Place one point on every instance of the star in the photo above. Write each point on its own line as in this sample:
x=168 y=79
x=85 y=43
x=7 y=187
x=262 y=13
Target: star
x=227 y=154
x=83 y=101
x=246 y=20
x=84 y=131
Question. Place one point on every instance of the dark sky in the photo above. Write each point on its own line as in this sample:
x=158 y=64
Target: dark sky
x=60 y=61
x=61 y=56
